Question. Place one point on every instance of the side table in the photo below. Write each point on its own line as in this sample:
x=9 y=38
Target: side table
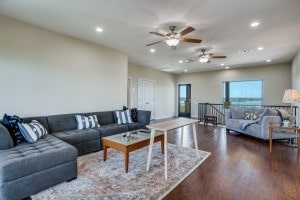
x=210 y=119
x=272 y=127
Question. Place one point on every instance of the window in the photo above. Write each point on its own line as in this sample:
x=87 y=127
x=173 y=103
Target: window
x=241 y=93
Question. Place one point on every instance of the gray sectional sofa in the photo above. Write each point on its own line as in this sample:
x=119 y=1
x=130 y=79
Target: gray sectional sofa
x=257 y=127
x=27 y=169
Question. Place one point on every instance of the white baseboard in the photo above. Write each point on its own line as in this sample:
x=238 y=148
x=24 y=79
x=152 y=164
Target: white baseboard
x=163 y=117
x=194 y=116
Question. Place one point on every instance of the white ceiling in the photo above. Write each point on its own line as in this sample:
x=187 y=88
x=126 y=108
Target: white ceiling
x=222 y=25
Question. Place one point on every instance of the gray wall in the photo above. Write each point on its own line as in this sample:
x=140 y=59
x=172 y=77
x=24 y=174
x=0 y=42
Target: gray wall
x=165 y=89
x=207 y=86
x=43 y=72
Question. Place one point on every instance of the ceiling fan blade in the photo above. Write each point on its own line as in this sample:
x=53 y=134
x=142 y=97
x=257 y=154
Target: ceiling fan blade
x=218 y=56
x=186 y=31
x=191 y=40
x=154 y=43
x=159 y=34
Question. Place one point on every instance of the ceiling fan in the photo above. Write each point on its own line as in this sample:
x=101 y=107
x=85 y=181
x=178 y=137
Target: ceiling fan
x=173 y=38
x=204 y=57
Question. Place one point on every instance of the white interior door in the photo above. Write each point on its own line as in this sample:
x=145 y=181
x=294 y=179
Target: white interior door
x=146 y=96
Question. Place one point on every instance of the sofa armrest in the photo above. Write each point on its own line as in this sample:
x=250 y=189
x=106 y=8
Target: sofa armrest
x=6 y=142
x=227 y=115
x=144 y=116
x=265 y=122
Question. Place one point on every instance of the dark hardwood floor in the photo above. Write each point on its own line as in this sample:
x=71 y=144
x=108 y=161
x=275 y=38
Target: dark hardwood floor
x=239 y=167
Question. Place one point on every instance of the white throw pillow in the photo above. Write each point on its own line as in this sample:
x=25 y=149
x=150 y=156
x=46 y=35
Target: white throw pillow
x=123 y=117
x=84 y=122
x=32 y=131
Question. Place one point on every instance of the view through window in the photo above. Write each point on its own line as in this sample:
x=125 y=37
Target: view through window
x=241 y=93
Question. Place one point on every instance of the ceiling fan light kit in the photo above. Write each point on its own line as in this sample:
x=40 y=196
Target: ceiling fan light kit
x=172 y=39
x=204 y=59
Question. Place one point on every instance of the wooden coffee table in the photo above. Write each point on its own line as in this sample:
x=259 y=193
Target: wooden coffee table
x=139 y=139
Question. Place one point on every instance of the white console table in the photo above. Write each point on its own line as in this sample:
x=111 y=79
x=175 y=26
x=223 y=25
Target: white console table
x=165 y=127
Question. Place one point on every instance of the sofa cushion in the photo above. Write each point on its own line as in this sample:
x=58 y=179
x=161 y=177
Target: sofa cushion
x=112 y=129
x=123 y=117
x=11 y=123
x=136 y=125
x=237 y=112
x=6 y=141
x=104 y=118
x=77 y=136
x=84 y=122
x=62 y=122
x=32 y=131
x=26 y=159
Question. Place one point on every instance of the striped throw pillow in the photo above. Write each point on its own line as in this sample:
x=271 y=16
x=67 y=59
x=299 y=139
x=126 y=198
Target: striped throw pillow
x=84 y=122
x=32 y=131
x=123 y=117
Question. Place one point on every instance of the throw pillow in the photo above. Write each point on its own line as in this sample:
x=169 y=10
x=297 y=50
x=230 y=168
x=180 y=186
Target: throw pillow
x=84 y=122
x=134 y=114
x=237 y=112
x=32 y=131
x=123 y=117
x=251 y=116
x=11 y=123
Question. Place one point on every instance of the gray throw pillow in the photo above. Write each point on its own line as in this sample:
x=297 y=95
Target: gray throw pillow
x=268 y=112
x=237 y=113
x=6 y=141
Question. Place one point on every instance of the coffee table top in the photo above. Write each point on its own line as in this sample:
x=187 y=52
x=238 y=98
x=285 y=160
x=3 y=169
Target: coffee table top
x=135 y=137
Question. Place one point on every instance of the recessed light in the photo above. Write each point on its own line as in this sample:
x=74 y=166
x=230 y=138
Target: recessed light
x=254 y=24
x=260 y=48
x=226 y=67
x=152 y=50
x=222 y=64
x=269 y=60
x=99 y=29
x=185 y=70
x=180 y=61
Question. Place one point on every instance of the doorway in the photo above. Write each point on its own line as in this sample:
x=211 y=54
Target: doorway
x=184 y=100
x=146 y=96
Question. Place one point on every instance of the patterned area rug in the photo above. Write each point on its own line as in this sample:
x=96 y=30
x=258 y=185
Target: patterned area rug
x=108 y=180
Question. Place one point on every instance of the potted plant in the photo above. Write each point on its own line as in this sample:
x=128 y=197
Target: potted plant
x=286 y=121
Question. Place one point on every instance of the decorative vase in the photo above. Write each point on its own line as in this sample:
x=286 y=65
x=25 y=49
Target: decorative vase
x=286 y=123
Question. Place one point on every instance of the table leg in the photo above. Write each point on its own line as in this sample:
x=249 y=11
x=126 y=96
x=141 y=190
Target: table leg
x=166 y=154
x=195 y=138
x=270 y=138
x=104 y=152
x=150 y=148
x=126 y=161
x=181 y=135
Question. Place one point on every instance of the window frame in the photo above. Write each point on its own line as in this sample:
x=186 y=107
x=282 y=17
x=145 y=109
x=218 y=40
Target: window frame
x=224 y=91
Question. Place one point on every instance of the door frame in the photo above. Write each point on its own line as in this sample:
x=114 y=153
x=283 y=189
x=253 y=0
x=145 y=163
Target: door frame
x=178 y=101
x=149 y=80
